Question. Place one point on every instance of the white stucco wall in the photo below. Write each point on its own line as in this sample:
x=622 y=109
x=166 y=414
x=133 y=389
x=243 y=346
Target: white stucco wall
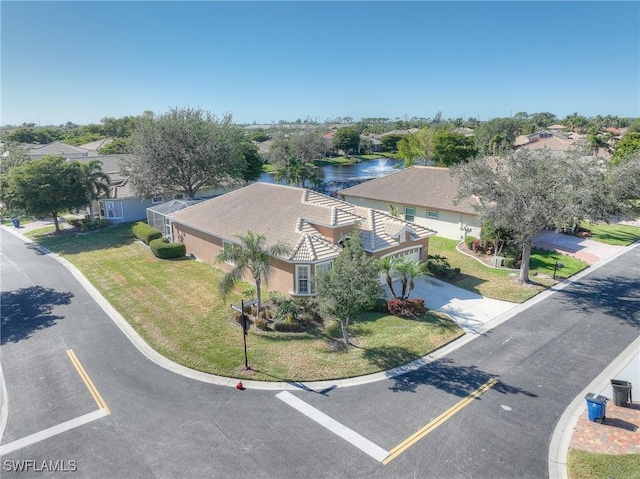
x=450 y=224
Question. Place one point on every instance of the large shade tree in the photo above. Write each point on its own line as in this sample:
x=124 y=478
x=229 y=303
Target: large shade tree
x=351 y=286
x=184 y=150
x=292 y=153
x=47 y=186
x=250 y=253
x=527 y=191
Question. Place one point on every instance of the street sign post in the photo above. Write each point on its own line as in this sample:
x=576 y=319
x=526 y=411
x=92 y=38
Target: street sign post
x=244 y=322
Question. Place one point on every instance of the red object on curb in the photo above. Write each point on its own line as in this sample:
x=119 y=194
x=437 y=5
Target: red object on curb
x=240 y=386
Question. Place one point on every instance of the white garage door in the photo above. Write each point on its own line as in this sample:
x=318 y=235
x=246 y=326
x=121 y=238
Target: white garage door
x=410 y=254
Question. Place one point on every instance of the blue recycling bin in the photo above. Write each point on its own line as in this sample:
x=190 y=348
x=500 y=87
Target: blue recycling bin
x=596 y=407
x=16 y=222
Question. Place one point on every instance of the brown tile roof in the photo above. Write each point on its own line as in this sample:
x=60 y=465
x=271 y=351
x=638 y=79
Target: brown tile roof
x=424 y=186
x=288 y=214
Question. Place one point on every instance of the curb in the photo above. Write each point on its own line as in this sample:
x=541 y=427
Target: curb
x=561 y=438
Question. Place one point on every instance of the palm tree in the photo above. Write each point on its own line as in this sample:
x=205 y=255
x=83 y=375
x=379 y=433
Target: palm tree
x=95 y=182
x=408 y=270
x=251 y=254
x=386 y=265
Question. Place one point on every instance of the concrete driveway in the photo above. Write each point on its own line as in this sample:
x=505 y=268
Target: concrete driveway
x=469 y=310
x=587 y=250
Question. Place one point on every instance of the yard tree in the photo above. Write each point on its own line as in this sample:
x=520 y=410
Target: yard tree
x=527 y=191
x=95 y=182
x=292 y=153
x=12 y=154
x=251 y=253
x=304 y=145
x=47 y=186
x=415 y=148
x=351 y=286
x=450 y=148
x=183 y=150
x=496 y=136
x=252 y=160
x=626 y=147
x=390 y=142
x=386 y=266
x=346 y=139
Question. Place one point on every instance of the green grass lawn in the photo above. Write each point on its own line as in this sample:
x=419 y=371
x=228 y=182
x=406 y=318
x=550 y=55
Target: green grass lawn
x=613 y=234
x=175 y=307
x=500 y=283
x=586 y=465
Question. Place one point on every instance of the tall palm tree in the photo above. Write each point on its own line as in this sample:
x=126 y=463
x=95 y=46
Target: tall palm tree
x=95 y=182
x=386 y=265
x=251 y=254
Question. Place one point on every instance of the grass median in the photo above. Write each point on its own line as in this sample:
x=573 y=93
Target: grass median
x=174 y=305
x=587 y=465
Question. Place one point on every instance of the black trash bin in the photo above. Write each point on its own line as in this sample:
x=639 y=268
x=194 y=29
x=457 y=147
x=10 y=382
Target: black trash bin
x=621 y=392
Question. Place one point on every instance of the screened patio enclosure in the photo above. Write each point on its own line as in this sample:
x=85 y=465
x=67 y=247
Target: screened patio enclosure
x=158 y=215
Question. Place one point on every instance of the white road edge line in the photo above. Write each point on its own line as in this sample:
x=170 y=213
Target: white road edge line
x=334 y=426
x=52 y=431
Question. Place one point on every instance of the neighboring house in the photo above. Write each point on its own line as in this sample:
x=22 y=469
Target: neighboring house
x=311 y=224
x=424 y=195
x=94 y=146
x=551 y=140
x=122 y=205
x=57 y=148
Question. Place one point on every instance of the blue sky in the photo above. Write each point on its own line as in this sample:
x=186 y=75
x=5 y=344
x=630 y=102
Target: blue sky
x=270 y=61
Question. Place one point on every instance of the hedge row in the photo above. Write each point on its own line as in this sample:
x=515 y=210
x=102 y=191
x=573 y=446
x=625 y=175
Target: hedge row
x=145 y=233
x=165 y=250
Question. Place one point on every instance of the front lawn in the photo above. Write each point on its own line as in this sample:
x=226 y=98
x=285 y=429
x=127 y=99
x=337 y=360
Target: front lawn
x=175 y=307
x=500 y=283
x=587 y=465
x=613 y=234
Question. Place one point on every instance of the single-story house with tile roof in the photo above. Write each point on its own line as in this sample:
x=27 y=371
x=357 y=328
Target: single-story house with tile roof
x=423 y=195
x=311 y=224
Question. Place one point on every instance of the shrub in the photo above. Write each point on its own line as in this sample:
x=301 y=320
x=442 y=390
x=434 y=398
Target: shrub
x=85 y=224
x=439 y=266
x=510 y=262
x=165 y=250
x=145 y=233
x=469 y=240
x=261 y=324
x=288 y=325
x=410 y=307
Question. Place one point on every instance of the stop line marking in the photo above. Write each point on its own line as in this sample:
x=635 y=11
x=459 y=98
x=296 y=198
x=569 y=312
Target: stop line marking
x=334 y=426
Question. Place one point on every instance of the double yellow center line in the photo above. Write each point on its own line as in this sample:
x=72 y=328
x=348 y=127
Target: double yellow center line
x=87 y=381
x=406 y=444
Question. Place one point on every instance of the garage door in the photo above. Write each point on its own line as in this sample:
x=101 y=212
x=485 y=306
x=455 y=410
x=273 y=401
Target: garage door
x=410 y=254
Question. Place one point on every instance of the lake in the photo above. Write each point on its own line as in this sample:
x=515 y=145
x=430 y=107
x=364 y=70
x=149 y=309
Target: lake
x=365 y=169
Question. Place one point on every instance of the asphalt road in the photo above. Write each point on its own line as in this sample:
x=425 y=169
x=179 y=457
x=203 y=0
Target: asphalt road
x=165 y=425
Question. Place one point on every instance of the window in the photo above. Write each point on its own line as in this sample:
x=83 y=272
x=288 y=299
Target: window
x=111 y=209
x=178 y=196
x=324 y=267
x=409 y=213
x=157 y=199
x=302 y=279
x=228 y=246
x=432 y=215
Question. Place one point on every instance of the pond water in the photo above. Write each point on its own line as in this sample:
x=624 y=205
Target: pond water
x=365 y=169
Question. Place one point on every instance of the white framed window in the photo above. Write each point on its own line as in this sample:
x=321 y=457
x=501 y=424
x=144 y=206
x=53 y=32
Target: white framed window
x=409 y=213
x=303 y=276
x=157 y=199
x=432 y=215
x=324 y=267
x=178 y=196
x=110 y=209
